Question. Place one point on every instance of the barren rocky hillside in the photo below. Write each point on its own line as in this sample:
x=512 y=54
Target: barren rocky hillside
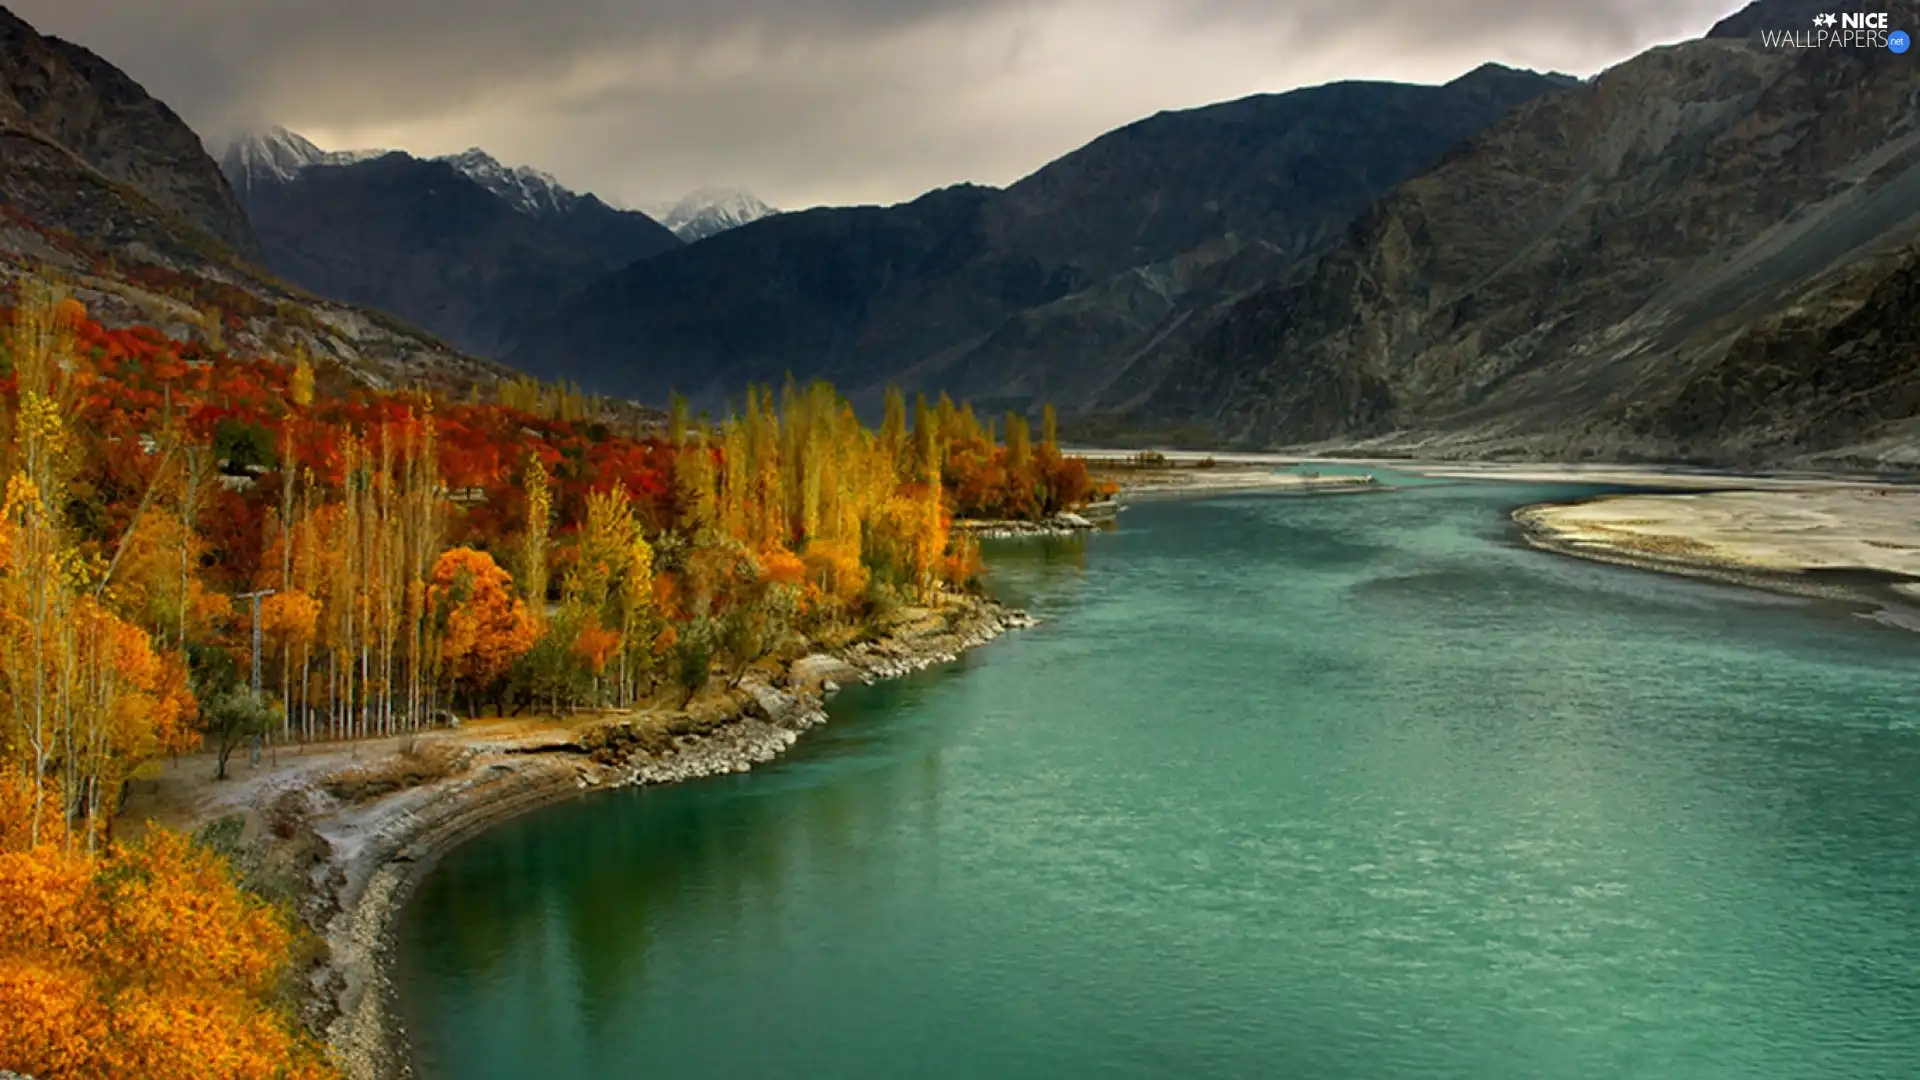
x=1701 y=254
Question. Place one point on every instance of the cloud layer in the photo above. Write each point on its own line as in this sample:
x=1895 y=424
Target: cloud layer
x=802 y=101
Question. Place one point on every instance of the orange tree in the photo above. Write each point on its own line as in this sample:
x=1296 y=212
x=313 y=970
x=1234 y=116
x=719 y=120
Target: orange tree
x=483 y=627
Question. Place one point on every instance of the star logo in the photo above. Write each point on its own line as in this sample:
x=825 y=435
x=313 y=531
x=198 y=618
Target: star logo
x=1824 y=20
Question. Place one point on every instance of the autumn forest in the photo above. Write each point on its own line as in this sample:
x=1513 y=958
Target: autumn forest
x=403 y=559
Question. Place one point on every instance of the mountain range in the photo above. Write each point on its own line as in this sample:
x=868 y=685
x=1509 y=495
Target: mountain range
x=1011 y=295
x=1709 y=252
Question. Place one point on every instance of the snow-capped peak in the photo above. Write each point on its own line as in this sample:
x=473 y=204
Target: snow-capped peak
x=525 y=188
x=708 y=211
x=282 y=155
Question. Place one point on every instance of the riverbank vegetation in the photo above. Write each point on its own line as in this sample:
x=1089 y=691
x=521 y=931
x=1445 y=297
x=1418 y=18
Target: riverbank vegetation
x=197 y=547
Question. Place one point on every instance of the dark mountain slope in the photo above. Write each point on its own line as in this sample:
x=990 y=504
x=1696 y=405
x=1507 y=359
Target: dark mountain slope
x=421 y=240
x=613 y=238
x=1288 y=170
x=823 y=284
x=462 y=246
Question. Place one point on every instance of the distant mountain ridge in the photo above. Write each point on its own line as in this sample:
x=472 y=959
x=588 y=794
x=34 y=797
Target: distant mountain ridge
x=1038 y=290
x=462 y=245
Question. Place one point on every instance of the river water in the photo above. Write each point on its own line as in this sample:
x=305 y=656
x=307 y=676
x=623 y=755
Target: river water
x=1337 y=788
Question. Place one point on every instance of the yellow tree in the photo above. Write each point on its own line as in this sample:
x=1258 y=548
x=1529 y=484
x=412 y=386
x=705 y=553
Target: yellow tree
x=348 y=594
x=693 y=481
x=1019 y=443
x=196 y=476
x=423 y=526
x=533 y=541
x=735 y=498
x=893 y=423
x=636 y=610
x=300 y=383
x=39 y=601
x=768 y=491
x=925 y=466
x=677 y=421
x=84 y=695
x=606 y=537
x=289 y=622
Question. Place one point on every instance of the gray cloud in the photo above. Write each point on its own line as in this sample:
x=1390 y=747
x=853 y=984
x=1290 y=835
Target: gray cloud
x=803 y=101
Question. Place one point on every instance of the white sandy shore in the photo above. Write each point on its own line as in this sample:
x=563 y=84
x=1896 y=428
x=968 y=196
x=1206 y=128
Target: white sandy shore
x=1852 y=542
x=1790 y=531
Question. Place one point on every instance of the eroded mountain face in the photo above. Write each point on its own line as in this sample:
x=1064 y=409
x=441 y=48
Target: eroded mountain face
x=1700 y=254
x=74 y=127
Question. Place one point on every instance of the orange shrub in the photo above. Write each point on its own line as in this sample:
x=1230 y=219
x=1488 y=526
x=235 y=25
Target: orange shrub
x=148 y=961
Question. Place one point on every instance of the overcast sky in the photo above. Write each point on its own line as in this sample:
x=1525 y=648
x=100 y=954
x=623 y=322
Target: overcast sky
x=803 y=102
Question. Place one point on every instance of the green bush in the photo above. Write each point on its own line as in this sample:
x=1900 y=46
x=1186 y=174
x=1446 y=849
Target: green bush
x=232 y=717
x=693 y=658
x=241 y=444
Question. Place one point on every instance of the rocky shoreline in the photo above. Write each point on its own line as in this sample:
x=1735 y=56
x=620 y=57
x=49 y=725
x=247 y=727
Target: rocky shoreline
x=1058 y=525
x=377 y=854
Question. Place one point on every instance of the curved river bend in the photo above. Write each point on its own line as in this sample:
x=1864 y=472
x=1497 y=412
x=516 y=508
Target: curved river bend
x=1327 y=789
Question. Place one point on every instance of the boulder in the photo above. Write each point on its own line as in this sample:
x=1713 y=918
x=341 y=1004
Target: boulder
x=812 y=672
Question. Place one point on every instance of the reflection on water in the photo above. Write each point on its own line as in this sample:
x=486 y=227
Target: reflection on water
x=1319 y=788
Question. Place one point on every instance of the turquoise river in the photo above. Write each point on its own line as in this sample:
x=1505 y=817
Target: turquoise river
x=1333 y=788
